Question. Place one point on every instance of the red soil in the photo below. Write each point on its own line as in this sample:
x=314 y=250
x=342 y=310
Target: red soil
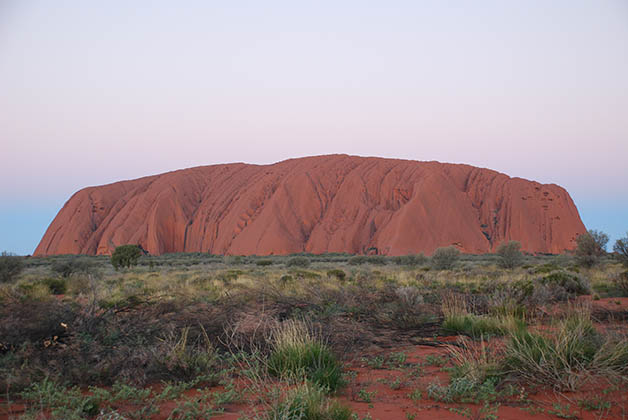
x=396 y=404
x=334 y=203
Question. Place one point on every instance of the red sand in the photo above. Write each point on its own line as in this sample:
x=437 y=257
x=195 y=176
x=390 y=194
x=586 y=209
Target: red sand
x=395 y=404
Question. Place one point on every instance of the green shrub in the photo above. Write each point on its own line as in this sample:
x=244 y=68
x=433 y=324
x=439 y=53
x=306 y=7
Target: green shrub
x=186 y=358
x=10 y=267
x=264 y=263
x=56 y=286
x=296 y=355
x=558 y=359
x=234 y=260
x=510 y=255
x=304 y=274
x=477 y=326
x=66 y=268
x=590 y=246
x=125 y=256
x=465 y=390
x=573 y=283
x=376 y=259
x=337 y=273
x=307 y=402
x=544 y=268
x=298 y=262
x=410 y=260
x=567 y=355
x=445 y=258
x=286 y=279
x=358 y=260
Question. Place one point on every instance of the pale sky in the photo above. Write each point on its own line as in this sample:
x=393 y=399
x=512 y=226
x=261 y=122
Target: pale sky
x=96 y=92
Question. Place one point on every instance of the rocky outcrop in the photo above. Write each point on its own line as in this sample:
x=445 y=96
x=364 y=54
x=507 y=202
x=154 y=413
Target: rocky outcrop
x=317 y=204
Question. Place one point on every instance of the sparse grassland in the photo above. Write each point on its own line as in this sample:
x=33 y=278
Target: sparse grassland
x=308 y=336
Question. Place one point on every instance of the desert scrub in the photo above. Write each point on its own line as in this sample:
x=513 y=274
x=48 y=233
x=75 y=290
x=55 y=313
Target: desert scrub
x=573 y=284
x=305 y=402
x=297 y=355
x=10 y=267
x=337 y=273
x=445 y=258
x=477 y=326
x=567 y=356
x=56 y=286
x=187 y=359
x=298 y=262
x=476 y=376
x=510 y=255
x=411 y=260
x=458 y=320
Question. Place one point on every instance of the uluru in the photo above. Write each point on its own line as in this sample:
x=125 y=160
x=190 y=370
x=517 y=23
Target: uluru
x=334 y=203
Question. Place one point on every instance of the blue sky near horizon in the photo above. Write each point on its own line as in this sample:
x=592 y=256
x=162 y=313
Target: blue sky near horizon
x=92 y=93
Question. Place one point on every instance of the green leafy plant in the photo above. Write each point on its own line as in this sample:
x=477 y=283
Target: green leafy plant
x=366 y=396
x=125 y=256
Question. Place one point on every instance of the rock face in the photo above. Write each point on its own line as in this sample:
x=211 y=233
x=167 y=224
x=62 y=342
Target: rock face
x=317 y=204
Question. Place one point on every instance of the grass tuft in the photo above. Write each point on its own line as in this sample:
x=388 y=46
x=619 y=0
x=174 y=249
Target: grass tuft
x=297 y=355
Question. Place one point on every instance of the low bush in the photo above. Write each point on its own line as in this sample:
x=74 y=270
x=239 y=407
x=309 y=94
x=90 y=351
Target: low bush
x=510 y=255
x=125 y=256
x=306 y=402
x=411 y=260
x=458 y=320
x=337 y=273
x=445 y=258
x=566 y=356
x=304 y=274
x=463 y=390
x=264 y=263
x=544 y=268
x=477 y=326
x=574 y=284
x=65 y=268
x=10 y=267
x=286 y=279
x=55 y=285
x=187 y=359
x=358 y=260
x=298 y=262
x=377 y=260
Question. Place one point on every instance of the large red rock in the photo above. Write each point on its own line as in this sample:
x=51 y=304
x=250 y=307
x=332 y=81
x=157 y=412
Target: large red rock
x=317 y=204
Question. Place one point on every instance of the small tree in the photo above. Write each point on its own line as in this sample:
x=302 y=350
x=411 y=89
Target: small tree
x=10 y=266
x=590 y=246
x=445 y=258
x=510 y=255
x=621 y=249
x=125 y=256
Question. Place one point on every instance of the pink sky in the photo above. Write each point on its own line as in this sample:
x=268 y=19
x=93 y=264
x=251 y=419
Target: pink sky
x=92 y=94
